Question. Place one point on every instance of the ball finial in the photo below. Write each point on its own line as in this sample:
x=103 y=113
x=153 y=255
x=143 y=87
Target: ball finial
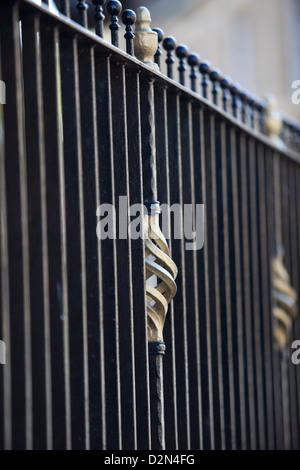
x=169 y=44
x=244 y=97
x=193 y=59
x=182 y=51
x=235 y=91
x=225 y=84
x=215 y=76
x=158 y=53
x=128 y=19
x=160 y=34
x=204 y=69
x=99 y=16
x=114 y=7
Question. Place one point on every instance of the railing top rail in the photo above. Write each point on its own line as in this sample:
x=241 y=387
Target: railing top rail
x=85 y=36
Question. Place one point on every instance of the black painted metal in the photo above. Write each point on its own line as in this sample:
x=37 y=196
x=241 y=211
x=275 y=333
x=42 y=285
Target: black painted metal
x=156 y=351
x=85 y=123
x=193 y=61
x=169 y=44
x=163 y=189
x=64 y=7
x=82 y=7
x=234 y=90
x=114 y=8
x=128 y=18
x=224 y=83
x=99 y=16
x=214 y=77
x=182 y=53
x=160 y=36
x=244 y=99
x=204 y=69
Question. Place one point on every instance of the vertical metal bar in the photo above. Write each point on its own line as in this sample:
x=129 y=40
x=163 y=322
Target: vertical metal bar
x=123 y=252
x=203 y=285
x=17 y=226
x=295 y=279
x=75 y=240
x=235 y=146
x=38 y=243
x=150 y=196
x=290 y=398
x=191 y=293
x=270 y=210
x=49 y=39
x=64 y=7
x=148 y=143
x=281 y=192
x=138 y=263
x=99 y=17
x=229 y=217
x=82 y=7
x=90 y=169
x=297 y=241
x=5 y=377
x=3 y=267
x=175 y=168
x=3 y=271
x=112 y=419
x=163 y=190
x=156 y=351
x=230 y=191
x=254 y=288
x=265 y=306
x=212 y=242
x=224 y=287
x=247 y=300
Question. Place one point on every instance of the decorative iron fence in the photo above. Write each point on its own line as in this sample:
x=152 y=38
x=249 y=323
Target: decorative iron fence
x=85 y=123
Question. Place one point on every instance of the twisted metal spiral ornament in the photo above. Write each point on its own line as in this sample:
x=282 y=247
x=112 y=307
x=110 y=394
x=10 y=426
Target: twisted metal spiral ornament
x=285 y=302
x=159 y=264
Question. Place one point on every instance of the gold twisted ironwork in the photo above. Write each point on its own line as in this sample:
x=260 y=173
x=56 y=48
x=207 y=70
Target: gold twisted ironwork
x=285 y=300
x=161 y=272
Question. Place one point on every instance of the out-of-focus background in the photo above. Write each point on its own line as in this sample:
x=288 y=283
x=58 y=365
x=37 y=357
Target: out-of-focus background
x=255 y=42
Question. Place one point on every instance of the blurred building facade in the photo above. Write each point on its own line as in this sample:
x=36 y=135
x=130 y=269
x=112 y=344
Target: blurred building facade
x=255 y=42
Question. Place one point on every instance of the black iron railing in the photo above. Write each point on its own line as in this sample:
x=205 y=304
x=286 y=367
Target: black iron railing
x=85 y=123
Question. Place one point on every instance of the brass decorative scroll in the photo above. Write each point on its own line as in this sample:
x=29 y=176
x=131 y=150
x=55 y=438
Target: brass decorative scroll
x=285 y=301
x=159 y=264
